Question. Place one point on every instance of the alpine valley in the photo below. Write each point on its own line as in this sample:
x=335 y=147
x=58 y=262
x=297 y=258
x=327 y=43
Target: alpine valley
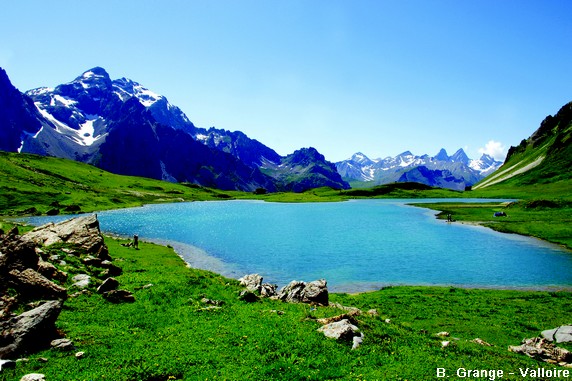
x=124 y=128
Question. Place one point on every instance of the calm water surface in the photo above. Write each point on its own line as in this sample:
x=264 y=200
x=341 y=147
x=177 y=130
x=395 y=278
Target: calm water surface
x=356 y=245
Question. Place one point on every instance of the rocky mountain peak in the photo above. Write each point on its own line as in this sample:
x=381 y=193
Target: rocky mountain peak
x=460 y=157
x=442 y=155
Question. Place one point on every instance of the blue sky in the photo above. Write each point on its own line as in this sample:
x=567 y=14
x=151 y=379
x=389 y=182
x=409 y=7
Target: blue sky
x=379 y=77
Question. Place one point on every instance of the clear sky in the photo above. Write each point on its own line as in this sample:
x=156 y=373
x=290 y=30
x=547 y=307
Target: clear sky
x=380 y=76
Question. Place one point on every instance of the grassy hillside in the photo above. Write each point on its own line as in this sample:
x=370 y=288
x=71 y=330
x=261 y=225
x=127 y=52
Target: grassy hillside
x=169 y=333
x=544 y=158
x=32 y=184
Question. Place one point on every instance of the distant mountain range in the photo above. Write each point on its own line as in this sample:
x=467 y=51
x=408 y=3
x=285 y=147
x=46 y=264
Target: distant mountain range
x=454 y=172
x=123 y=127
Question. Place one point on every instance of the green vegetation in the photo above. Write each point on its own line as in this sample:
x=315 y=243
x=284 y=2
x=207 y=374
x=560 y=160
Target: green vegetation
x=170 y=334
x=31 y=184
x=543 y=210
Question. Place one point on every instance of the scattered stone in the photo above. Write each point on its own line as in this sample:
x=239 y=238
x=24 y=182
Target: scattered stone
x=357 y=340
x=90 y=260
x=373 y=312
x=50 y=271
x=340 y=330
x=35 y=285
x=29 y=329
x=445 y=344
x=352 y=310
x=43 y=359
x=149 y=285
x=17 y=254
x=292 y=293
x=210 y=308
x=481 y=342
x=542 y=349
x=387 y=321
x=113 y=270
x=79 y=293
x=62 y=344
x=247 y=296
x=334 y=319
x=268 y=290
x=252 y=282
x=443 y=334
x=33 y=377
x=316 y=292
x=562 y=334
x=108 y=285
x=7 y=364
x=212 y=302
x=81 y=281
x=277 y=312
x=70 y=252
x=119 y=296
x=80 y=355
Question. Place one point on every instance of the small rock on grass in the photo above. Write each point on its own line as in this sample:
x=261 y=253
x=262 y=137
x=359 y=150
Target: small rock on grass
x=34 y=377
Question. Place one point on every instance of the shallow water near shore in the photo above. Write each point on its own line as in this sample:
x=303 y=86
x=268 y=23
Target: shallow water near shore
x=358 y=245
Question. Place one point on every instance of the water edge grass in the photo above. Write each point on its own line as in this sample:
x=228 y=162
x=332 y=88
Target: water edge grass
x=169 y=334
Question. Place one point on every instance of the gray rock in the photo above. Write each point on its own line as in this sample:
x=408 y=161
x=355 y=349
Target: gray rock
x=108 y=285
x=247 y=296
x=81 y=231
x=62 y=344
x=113 y=270
x=268 y=290
x=357 y=340
x=50 y=271
x=33 y=377
x=542 y=349
x=340 y=330
x=17 y=254
x=316 y=292
x=81 y=281
x=292 y=293
x=34 y=285
x=119 y=296
x=252 y=282
x=28 y=329
x=562 y=334
x=7 y=364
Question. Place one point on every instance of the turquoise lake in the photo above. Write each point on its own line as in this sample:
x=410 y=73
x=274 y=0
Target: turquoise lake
x=357 y=245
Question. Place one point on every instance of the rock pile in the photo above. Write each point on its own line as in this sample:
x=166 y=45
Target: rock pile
x=29 y=276
x=315 y=292
x=342 y=327
x=542 y=349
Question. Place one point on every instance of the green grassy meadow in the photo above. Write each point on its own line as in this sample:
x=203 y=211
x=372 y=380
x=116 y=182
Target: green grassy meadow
x=170 y=334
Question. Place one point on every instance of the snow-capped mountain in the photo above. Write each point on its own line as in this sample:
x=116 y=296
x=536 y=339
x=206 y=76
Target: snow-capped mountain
x=455 y=172
x=123 y=127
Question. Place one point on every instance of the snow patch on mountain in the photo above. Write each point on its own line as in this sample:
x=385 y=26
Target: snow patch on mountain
x=459 y=170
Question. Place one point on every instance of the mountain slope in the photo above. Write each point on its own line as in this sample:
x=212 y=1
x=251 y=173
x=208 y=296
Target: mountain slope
x=121 y=126
x=18 y=116
x=545 y=157
x=304 y=169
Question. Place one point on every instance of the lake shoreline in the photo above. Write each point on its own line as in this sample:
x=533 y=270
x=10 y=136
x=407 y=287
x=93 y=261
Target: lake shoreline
x=200 y=258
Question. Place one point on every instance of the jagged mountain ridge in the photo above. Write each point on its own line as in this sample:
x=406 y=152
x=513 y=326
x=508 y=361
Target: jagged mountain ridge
x=454 y=172
x=122 y=127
